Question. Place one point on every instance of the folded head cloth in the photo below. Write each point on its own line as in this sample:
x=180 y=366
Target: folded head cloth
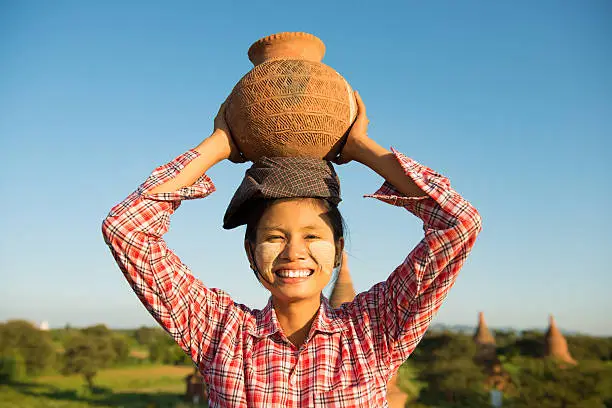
x=282 y=177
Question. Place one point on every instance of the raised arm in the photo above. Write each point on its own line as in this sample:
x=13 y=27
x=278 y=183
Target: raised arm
x=395 y=314
x=195 y=316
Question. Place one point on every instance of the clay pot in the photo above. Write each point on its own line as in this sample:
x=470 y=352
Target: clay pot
x=290 y=103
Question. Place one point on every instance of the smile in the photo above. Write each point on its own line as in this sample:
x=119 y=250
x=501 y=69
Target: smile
x=294 y=273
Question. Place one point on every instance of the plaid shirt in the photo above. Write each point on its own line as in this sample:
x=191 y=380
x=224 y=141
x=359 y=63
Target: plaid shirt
x=246 y=359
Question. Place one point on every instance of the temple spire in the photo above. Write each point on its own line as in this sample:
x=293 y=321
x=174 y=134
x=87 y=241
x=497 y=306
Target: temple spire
x=556 y=345
x=483 y=335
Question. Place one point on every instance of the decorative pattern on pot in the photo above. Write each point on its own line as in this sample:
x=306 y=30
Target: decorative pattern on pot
x=290 y=103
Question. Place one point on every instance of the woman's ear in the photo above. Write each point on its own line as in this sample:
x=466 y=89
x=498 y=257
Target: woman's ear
x=248 y=250
x=339 y=250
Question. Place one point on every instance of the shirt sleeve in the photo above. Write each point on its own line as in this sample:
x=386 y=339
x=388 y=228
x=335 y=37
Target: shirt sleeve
x=195 y=316
x=395 y=314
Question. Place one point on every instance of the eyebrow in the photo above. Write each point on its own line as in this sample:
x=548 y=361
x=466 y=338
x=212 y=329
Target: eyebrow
x=279 y=228
x=312 y=227
x=273 y=228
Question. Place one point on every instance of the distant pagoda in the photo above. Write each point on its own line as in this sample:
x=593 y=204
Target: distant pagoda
x=555 y=343
x=486 y=356
x=485 y=342
x=483 y=335
x=343 y=292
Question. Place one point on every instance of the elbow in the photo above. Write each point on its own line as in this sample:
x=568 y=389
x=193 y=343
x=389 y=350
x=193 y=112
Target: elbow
x=107 y=227
x=477 y=221
x=472 y=221
x=111 y=230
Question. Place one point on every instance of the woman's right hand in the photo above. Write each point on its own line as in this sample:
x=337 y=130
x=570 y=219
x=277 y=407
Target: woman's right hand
x=223 y=138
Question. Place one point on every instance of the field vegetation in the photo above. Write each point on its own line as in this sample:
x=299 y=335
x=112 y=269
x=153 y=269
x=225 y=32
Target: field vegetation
x=100 y=367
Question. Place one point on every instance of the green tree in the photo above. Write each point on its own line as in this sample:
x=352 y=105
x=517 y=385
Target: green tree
x=118 y=341
x=97 y=330
x=457 y=382
x=12 y=367
x=446 y=365
x=590 y=348
x=548 y=384
x=121 y=347
x=166 y=351
x=146 y=336
x=525 y=346
x=179 y=357
x=408 y=380
x=504 y=338
x=160 y=351
x=33 y=345
x=444 y=346
x=86 y=354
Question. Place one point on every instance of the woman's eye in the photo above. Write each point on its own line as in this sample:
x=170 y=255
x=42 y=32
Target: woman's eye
x=274 y=238
x=312 y=236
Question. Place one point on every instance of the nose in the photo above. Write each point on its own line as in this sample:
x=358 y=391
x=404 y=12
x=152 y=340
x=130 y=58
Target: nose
x=295 y=249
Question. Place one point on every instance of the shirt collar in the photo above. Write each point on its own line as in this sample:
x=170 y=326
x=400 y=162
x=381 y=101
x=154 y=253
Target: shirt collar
x=266 y=323
x=327 y=321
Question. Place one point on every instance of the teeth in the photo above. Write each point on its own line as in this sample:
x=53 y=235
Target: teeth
x=293 y=273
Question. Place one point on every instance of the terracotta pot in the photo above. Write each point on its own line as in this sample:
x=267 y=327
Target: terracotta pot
x=290 y=103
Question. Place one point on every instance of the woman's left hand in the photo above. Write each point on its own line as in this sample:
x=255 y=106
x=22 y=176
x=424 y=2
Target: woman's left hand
x=357 y=140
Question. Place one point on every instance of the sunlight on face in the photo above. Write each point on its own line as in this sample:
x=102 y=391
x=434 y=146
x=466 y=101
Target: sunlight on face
x=266 y=254
x=295 y=251
x=324 y=253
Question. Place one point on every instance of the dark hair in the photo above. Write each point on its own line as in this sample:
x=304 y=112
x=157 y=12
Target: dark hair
x=260 y=206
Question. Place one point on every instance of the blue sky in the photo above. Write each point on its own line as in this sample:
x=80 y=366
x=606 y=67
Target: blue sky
x=511 y=100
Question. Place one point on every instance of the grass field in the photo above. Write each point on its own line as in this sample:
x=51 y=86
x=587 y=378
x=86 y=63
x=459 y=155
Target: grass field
x=132 y=387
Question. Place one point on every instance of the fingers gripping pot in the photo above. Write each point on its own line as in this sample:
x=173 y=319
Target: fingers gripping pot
x=290 y=104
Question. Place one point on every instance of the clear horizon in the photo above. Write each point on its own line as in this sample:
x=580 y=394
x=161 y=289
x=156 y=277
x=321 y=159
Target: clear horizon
x=513 y=102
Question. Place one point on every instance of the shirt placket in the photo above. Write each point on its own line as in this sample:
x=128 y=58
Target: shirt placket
x=292 y=379
x=289 y=368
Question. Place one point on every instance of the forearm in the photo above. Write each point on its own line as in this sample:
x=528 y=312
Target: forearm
x=384 y=162
x=211 y=151
x=134 y=231
x=404 y=305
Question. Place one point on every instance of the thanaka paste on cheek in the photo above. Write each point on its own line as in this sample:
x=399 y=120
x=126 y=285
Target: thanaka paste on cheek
x=324 y=253
x=265 y=255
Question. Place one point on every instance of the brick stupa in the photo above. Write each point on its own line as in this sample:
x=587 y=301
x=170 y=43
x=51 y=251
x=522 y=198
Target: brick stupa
x=344 y=292
x=555 y=343
x=485 y=342
x=486 y=357
x=483 y=335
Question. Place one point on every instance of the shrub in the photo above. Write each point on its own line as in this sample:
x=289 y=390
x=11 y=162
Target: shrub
x=34 y=345
x=12 y=368
x=86 y=355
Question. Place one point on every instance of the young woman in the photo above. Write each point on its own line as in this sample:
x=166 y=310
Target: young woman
x=297 y=351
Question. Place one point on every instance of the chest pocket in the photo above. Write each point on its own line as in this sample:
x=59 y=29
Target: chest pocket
x=358 y=395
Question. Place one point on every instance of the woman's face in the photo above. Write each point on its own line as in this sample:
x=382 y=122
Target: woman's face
x=295 y=252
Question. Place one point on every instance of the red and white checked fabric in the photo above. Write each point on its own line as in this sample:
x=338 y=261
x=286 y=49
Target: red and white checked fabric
x=246 y=359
